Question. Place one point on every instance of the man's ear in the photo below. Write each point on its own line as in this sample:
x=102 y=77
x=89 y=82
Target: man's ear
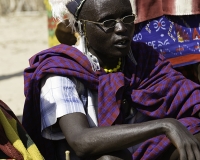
x=65 y=34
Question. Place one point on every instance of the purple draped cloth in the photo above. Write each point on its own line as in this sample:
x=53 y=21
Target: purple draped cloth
x=152 y=87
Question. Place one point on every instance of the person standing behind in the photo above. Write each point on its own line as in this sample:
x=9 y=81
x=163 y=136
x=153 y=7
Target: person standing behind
x=172 y=28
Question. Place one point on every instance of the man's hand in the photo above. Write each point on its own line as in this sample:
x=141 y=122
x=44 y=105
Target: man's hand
x=187 y=145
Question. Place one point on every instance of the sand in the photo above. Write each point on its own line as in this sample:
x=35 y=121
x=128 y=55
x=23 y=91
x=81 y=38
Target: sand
x=22 y=36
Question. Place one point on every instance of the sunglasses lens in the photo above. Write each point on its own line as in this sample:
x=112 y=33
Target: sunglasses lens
x=109 y=23
x=128 y=19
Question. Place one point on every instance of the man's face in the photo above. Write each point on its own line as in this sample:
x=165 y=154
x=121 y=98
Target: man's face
x=114 y=42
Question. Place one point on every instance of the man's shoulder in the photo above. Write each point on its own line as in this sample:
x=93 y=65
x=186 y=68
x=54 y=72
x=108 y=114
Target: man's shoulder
x=58 y=51
x=141 y=49
x=60 y=48
x=146 y=55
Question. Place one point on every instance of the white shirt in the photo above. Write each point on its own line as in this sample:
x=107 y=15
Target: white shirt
x=59 y=97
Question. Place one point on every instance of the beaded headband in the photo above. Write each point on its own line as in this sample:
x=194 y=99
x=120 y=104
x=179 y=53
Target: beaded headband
x=75 y=6
x=70 y=9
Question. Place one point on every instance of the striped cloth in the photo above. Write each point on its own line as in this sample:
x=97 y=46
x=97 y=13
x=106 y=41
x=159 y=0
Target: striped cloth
x=15 y=142
x=152 y=87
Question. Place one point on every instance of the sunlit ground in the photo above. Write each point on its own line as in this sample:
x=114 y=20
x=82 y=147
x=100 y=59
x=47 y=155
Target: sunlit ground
x=21 y=37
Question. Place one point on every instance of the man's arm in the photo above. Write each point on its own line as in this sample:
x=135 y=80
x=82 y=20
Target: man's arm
x=87 y=141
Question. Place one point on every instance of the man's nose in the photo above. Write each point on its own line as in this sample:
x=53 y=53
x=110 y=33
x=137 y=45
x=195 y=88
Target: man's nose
x=120 y=26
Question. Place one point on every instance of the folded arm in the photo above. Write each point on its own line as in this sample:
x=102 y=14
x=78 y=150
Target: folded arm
x=88 y=141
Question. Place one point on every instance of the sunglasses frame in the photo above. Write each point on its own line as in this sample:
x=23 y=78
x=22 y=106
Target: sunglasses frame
x=116 y=20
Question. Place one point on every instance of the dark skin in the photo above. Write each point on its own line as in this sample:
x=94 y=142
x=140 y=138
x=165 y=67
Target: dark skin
x=111 y=142
x=108 y=53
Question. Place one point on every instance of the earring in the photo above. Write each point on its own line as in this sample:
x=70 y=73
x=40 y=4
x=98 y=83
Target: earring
x=132 y=58
x=84 y=48
x=82 y=38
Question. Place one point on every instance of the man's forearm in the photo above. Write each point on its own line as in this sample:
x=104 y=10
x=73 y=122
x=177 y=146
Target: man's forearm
x=101 y=140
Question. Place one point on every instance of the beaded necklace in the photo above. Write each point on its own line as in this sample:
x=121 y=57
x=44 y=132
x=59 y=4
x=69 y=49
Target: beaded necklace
x=114 y=69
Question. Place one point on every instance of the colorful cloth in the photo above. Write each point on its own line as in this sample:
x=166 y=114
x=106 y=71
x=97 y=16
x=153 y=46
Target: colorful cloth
x=172 y=30
x=152 y=87
x=52 y=24
x=176 y=37
x=15 y=142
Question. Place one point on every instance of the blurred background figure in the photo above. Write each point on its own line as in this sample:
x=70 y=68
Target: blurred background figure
x=18 y=6
x=52 y=24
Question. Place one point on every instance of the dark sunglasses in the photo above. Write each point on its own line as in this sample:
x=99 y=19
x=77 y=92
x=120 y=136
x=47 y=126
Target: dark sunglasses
x=110 y=23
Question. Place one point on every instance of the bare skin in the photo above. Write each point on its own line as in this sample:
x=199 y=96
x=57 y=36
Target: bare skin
x=103 y=140
x=173 y=154
x=111 y=142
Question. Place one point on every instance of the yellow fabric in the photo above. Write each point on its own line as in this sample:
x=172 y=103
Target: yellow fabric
x=47 y=5
x=35 y=154
x=53 y=41
x=10 y=128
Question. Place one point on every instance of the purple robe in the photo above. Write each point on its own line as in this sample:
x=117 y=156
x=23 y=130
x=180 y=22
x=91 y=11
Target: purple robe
x=151 y=86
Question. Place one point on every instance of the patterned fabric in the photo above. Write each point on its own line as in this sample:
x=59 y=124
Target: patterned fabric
x=176 y=37
x=15 y=142
x=173 y=30
x=152 y=87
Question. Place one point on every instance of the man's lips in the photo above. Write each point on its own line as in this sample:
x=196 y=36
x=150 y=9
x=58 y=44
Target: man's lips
x=122 y=42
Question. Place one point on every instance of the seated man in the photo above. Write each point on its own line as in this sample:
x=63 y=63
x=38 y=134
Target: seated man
x=15 y=142
x=108 y=97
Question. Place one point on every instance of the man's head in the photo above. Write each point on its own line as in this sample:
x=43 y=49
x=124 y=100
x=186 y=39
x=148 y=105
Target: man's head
x=107 y=41
x=111 y=41
x=71 y=9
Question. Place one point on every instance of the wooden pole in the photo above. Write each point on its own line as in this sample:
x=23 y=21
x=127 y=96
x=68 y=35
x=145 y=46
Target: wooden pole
x=67 y=155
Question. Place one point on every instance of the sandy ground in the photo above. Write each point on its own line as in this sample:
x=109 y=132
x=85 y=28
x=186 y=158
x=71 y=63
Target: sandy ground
x=22 y=36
